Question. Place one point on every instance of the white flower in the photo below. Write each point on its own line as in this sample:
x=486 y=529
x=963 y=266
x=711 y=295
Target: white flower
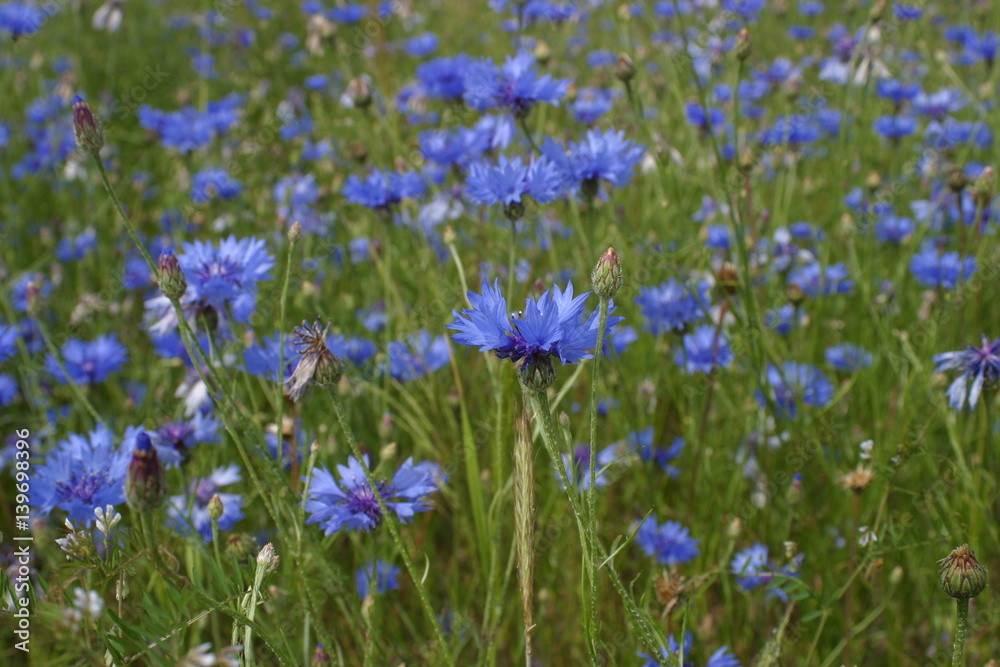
x=107 y=519
x=866 y=449
x=867 y=536
x=89 y=603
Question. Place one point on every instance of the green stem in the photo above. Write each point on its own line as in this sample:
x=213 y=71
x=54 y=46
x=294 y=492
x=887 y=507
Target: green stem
x=292 y=238
x=593 y=565
x=961 y=632
x=390 y=521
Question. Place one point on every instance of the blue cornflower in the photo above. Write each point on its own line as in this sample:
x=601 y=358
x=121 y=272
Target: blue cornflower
x=847 y=357
x=696 y=117
x=907 y=12
x=940 y=104
x=717 y=237
x=783 y=319
x=670 y=306
x=19 y=19
x=577 y=466
x=641 y=442
x=933 y=268
x=793 y=382
x=508 y=182
x=210 y=183
x=350 y=502
x=514 y=87
x=893 y=228
x=181 y=436
x=591 y=104
x=417 y=356
x=385 y=580
x=673 y=652
x=261 y=359
x=88 y=362
x=421 y=46
x=750 y=567
x=895 y=128
x=8 y=389
x=226 y=275
x=671 y=543
x=704 y=350
x=381 y=189
x=8 y=341
x=197 y=519
x=812 y=280
x=980 y=365
x=443 y=78
x=550 y=327
x=82 y=474
x=601 y=156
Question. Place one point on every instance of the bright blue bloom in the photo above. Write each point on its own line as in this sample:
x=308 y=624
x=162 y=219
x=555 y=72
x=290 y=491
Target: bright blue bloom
x=356 y=350
x=980 y=365
x=893 y=228
x=940 y=104
x=745 y=9
x=591 y=104
x=227 y=274
x=88 y=362
x=783 y=319
x=577 y=466
x=933 y=268
x=19 y=19
x=8 y=390
x=717 y=237
x=704 y=350
x=82 y=474
x=508 y=182
x=20 y=291
x=751 y=567
x=417 y=356
x=795 y=382
x=201 y=492
x=907 y=12
x=641 y=442
x=385 y=580
x=812 y=280
x=421 y=46
x=847 y=357
x=460 y=148
x=896 y=91
x=189 y=129
x=76 y=248
x=381 y=189
x=514 y=87
x=601 y=156
x=348 y=13
x=671 y=543
x=672 y=654
x=8 y=341
x=350 y=502
x=671 y=306
x=551 y=326
x=443 y=78
x=895 y=127
x=210 y=183
x=261 y=358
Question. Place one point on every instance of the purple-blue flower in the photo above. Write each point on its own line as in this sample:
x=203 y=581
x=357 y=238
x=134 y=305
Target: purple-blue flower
x=385 y=580
x=8 y=341
x=670 y=306
x=350 y=501
x=979 y=365
x=794 y=382
x=551 y=326
x=704 y=349
x=601 y=156
x=509 y=181
x=417 y=356
x=88 y=362
x=670 y=543
x=211 y=183
x=382 y=189
x=80 y=475
x=642 y=443
x=933 y=268
x=514 y=87
x=189 y=512
x=847 y=357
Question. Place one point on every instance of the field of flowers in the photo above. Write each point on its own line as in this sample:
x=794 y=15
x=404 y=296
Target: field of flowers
x=519 y=332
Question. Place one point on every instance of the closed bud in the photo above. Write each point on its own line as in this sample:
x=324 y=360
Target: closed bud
x=215 y=508
x=984 y=187
x=962 y=577
x=388 y=452
x=744 y=45
x=957 y=180
x=320 y=657
x=542 y=52
x=449 y=236
x=537 y=374
x=386 y=426
x=295 y=232
x=607 y=275
x=624 y=68
x=87 y=127
x=267 y=558
x=144 y=484
x=877 y=11
x=240 y=546
x=873 y=181
x=514 y=211
x=172 y=281
x=896 y=576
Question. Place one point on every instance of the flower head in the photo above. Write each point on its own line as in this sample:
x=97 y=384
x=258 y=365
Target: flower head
x=794 y=382
x=514 y=87
x=82 y=474
x=550 y=327
x=199 y=496
x=980 y=365
x=350 y=501
x=88 y=362
x=671 y=306
x=386 y=579
x=601 y=156
x=670 y=543
x=316 y=361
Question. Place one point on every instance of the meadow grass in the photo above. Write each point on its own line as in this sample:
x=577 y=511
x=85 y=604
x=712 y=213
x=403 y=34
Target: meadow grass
x=853 y=534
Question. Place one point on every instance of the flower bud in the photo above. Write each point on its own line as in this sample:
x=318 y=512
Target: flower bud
x=514 y=211
x=983 y=189
x=144 y=484
x=215 y=507
x=172 y=281
x=607 y=275
x=537 y=374
x=295 y=232
x=267 y=559
x=962 y=577
x=386 y=426
x=957 y=180
x=542 y=52
x=240 y=546
x=87 y=127
x=624 y=68
x=744 y=45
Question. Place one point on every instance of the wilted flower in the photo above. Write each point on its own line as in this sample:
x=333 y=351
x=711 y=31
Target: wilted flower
x=980 y=365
